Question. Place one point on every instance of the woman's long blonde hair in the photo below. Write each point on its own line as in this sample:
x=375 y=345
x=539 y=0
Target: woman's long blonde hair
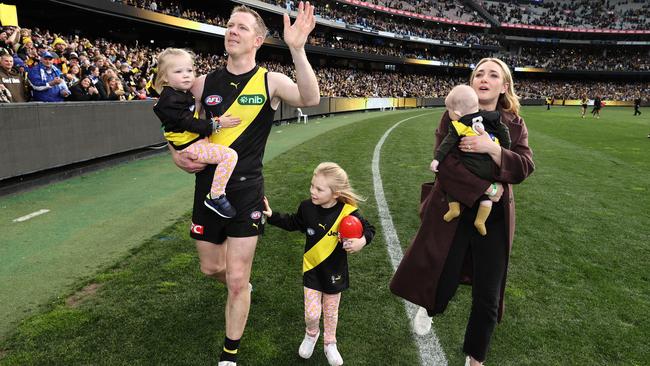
x=508 y=101
x=164 y=63
x=338 y=182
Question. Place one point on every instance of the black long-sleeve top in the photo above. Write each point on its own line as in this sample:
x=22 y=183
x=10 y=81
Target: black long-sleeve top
x=175 y=109
x=331 y=275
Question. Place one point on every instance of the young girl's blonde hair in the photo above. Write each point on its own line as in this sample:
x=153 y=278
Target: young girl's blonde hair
x=164 y=63
x=338 y=182
x=508 y=101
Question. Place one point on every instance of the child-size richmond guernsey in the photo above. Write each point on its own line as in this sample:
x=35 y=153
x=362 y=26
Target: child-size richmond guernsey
x=325 y=263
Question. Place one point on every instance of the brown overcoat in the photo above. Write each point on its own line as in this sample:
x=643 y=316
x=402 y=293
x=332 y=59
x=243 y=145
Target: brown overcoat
x=416 y=278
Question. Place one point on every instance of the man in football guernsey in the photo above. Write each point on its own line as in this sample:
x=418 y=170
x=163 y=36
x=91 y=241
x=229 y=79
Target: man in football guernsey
x=583 y=104
x=226 y=246
x=597 y=106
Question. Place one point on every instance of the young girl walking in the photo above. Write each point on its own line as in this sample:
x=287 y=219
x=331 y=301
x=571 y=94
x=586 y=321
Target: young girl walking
x=186 y=132
x=325 y=264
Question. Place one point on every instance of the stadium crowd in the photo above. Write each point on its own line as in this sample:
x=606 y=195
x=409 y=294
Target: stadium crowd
x=609 y=14
x=369 y=21
x=450 y=9
x=581 y=58
x=177 y=9
x=550 y=58
x=39 y=65
x=357 y=17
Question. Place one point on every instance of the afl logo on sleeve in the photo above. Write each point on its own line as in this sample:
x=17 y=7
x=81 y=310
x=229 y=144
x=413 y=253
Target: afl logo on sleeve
x=213 y=99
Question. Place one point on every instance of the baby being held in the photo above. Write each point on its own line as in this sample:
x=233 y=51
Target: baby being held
x=466 y=120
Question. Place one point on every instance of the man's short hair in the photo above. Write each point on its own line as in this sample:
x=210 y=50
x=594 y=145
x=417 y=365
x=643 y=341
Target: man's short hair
x=259 y=22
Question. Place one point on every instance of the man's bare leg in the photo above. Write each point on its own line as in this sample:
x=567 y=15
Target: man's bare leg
x=212 y=258
x=239 y=260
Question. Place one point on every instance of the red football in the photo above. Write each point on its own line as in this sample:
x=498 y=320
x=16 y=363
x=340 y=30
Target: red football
x=350 y=228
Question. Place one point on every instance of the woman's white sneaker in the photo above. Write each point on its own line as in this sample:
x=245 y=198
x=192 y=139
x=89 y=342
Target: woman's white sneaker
x=307 y=346
x=333 y=356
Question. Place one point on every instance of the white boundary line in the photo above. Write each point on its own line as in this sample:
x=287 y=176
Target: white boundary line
x=31 y=215
x=431 y=352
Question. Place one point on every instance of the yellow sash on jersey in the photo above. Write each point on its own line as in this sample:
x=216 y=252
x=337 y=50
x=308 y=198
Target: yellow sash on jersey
x=246 y=112
x=321 y=250
x=465 y=130
x=181 y=138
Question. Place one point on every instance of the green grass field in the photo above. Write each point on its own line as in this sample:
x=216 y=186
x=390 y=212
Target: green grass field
x=578 y=290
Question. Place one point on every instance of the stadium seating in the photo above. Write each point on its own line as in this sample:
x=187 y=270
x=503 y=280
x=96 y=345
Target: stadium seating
x=436 y=55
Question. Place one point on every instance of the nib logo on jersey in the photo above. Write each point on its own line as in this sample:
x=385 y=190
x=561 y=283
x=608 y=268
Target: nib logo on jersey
x=251 y=99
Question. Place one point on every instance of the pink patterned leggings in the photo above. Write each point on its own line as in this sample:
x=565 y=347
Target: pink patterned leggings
x=330 y=308
x=225 y=157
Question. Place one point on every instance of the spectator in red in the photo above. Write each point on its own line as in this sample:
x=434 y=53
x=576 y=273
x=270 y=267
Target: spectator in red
x=139 y=89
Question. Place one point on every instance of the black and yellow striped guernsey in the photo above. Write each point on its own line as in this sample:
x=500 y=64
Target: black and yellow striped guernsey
x=325 y=264
x=245 y=96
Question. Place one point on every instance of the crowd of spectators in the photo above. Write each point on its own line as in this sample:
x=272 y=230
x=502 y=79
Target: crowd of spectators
x=39 y=65
x=450 y=9
x=177 y=9
x=582 y=58
x=51 y=68
x=330 y=11
x=609 y=14
x=556 y=59
x=594 y=14
x=609 y=90
x=398 y=49
x=423 y=29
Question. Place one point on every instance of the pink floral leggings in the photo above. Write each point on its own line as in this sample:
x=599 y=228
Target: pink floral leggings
x=225 y=157
x=330 y=308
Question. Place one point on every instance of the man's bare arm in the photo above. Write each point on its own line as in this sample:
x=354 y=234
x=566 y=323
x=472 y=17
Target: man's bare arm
x=304 y=92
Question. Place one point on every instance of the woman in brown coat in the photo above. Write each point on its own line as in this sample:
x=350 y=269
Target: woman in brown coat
x=444 y=254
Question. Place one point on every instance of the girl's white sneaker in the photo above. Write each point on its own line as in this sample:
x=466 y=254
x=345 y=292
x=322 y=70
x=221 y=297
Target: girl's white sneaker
x=307 y=346
x=333 y=356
